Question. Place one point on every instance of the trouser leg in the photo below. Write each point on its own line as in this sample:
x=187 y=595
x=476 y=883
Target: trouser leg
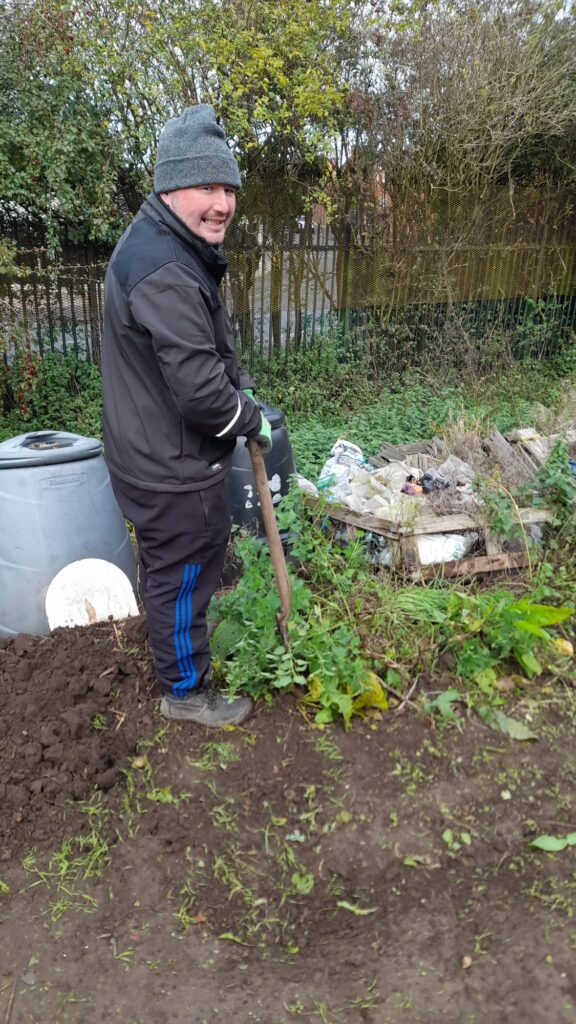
x=141 y=574
x=182 y=542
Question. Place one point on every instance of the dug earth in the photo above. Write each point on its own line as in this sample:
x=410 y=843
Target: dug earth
x=154 y=873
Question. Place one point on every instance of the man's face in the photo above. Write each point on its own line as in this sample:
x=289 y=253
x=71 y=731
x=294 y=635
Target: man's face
x=206 y=209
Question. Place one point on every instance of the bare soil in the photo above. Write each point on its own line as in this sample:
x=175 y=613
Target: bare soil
x=276 y=872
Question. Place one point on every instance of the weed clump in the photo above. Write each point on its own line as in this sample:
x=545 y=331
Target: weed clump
x=358 y=637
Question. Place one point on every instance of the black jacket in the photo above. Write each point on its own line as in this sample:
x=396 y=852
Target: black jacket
x=173 y=403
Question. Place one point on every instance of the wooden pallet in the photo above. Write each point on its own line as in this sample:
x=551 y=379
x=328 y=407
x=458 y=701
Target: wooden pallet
x=509 y=456
x=402 y=539
x=522 y=451
x=533 y=451
x=422 y=455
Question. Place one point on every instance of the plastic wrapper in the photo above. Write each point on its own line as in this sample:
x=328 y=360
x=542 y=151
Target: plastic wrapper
x=394 y=475
x=306 y=486
x=435 y=548
x=336 y=470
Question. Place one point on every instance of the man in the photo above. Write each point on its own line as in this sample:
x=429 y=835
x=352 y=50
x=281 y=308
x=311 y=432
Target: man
x=174 y=402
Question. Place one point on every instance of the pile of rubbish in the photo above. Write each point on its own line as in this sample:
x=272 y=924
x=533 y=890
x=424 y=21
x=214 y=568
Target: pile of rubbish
x=403 y=485
x=395 y=492
x=391 y=492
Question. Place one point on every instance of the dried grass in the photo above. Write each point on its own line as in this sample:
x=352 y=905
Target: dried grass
x=464 y=438
x=467 y=439
x=450 y=502
x=554 y=421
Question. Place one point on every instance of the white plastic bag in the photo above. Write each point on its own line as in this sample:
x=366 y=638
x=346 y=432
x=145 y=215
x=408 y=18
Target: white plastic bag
x=457 y=472
x=336 y=470
x=306 y=485
x=444 y=547
x=395 y=474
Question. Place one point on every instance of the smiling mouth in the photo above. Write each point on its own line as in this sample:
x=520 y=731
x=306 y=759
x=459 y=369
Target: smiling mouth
x=214 y=223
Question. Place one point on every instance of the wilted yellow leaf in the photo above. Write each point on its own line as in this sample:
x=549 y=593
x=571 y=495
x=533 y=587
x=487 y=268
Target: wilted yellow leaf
x=564 y=646
x=315 y=686
x=373 y=695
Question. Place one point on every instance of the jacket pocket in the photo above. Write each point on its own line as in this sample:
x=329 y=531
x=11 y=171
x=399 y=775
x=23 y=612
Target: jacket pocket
x=212 y=449
x=215 y=510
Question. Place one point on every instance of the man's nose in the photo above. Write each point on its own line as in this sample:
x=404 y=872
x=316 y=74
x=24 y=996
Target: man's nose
x=222 y=200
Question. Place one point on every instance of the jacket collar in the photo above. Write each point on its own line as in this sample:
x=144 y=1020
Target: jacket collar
x=213 y=259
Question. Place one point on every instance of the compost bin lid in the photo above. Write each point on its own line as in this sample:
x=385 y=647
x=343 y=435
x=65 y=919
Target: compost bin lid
x=90 y=590
x=274 y=416
x=46 y=447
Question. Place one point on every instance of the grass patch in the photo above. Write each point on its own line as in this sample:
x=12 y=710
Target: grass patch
x=79 y=859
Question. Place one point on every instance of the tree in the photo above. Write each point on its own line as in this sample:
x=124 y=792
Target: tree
x=58 y=157
x=271 y=70
x=467 y=98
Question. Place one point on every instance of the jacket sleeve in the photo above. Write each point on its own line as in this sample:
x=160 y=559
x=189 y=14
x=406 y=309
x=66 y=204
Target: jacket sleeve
x=173 y=307
x=245 y=380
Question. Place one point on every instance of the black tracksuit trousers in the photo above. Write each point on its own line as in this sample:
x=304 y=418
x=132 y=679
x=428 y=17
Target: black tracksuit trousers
x=182 y=540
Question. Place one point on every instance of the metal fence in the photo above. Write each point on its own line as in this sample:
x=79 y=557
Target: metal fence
x=285 y=293
x=53 y=308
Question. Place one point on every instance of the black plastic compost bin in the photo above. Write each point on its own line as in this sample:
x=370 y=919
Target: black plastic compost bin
x=241 y=492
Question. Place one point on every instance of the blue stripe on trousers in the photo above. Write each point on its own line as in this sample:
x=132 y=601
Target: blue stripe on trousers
x=183 y=612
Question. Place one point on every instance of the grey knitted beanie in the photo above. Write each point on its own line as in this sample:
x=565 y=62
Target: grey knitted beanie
x=192 y=150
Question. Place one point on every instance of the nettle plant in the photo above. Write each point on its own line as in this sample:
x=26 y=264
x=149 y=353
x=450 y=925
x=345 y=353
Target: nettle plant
x=54 y=392
x=325 y=656
x=552 y=487
x=339 y=599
